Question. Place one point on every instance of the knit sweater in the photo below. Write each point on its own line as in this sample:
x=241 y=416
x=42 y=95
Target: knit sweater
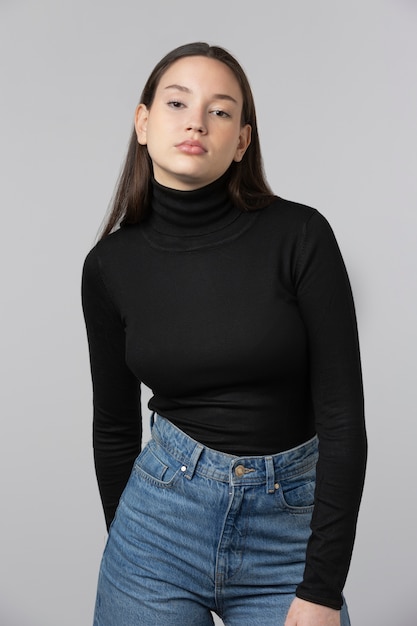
x=243 y=326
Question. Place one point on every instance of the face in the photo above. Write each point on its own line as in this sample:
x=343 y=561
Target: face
x=193 y=128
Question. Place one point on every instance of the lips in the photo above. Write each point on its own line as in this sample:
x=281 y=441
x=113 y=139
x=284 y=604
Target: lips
x=191 y=147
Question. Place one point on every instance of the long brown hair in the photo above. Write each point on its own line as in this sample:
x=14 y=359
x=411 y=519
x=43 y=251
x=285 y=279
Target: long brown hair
x=248 y=188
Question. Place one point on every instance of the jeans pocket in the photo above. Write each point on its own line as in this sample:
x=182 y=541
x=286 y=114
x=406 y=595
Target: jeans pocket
x=296 y=493
x=157 y=466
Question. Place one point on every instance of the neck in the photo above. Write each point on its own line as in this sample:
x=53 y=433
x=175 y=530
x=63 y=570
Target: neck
x=198 y=212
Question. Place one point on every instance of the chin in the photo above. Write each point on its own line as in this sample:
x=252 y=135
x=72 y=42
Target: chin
x=193 y=181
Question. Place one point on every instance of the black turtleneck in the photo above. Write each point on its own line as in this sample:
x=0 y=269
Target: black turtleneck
x=192 y=213
x=242 y=324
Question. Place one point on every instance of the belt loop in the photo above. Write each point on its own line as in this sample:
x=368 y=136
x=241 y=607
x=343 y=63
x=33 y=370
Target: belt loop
x=152 y=420
x=190 y=468
x=270 y=474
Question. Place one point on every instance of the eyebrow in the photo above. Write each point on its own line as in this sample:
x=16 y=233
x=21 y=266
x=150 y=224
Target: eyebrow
x=216 y=96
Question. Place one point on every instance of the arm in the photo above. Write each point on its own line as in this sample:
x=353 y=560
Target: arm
x=116 y=392
x=326 y=305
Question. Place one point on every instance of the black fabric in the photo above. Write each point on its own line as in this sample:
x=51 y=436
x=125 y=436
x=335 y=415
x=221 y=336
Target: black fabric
x=243 y=326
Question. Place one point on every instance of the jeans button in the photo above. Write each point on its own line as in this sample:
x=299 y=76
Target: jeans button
x=239 y=470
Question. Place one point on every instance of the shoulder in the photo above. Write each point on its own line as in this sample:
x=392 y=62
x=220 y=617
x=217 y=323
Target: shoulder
x=288 y=216
x=113 y=247
x=107 y=263
x=288 y=210
x=116 y=240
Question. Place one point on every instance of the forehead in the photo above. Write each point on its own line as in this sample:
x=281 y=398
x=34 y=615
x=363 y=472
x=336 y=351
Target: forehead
x=201 y=73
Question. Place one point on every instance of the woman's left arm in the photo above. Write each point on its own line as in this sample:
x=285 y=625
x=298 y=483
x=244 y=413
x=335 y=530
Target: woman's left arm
x=326 y=305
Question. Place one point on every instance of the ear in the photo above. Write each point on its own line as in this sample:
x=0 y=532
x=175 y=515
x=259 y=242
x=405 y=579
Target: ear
x=141 y=121
x=244 y=141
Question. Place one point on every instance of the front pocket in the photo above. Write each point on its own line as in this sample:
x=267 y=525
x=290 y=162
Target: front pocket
x=156 y=465
x=297 y=493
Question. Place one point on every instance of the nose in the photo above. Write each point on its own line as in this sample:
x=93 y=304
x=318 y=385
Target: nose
x=199 y=128
x=196 y=123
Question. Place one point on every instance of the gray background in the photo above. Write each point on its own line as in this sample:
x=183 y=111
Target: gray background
x=336 y=91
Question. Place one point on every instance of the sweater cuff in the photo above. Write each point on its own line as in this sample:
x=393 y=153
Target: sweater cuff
x=332 y=603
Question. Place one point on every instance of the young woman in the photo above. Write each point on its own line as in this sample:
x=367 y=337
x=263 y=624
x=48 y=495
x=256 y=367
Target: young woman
x=233 y=306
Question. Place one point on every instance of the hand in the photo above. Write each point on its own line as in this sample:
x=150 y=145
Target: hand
x=303 y=613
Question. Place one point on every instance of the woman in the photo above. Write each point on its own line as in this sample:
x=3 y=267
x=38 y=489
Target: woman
x=234 y=307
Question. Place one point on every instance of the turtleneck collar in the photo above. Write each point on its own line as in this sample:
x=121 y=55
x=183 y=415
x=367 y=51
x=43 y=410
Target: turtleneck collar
x=186 y=221
x=189 y=213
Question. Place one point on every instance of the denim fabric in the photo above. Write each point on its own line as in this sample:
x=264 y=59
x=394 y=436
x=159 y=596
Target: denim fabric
x=198 y=530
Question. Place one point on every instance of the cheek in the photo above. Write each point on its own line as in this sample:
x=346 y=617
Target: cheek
x=226 y=139
x=232 y=146
x=153 y=140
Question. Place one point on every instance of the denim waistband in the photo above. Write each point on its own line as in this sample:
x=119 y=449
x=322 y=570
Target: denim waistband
x=237 y=470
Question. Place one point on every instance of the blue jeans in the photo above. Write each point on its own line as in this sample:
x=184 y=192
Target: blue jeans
x=198 y=530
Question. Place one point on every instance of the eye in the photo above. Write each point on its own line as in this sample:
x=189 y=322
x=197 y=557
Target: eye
x=220 y=113
x=175 y=104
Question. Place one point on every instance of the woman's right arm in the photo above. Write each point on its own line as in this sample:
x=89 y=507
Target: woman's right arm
x=116 y=392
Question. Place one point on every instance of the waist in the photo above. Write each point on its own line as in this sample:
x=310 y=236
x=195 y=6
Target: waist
x=240 y=470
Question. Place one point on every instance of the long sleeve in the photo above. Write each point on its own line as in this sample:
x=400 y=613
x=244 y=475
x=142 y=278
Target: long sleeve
x=116 y=391
x=326 y=305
